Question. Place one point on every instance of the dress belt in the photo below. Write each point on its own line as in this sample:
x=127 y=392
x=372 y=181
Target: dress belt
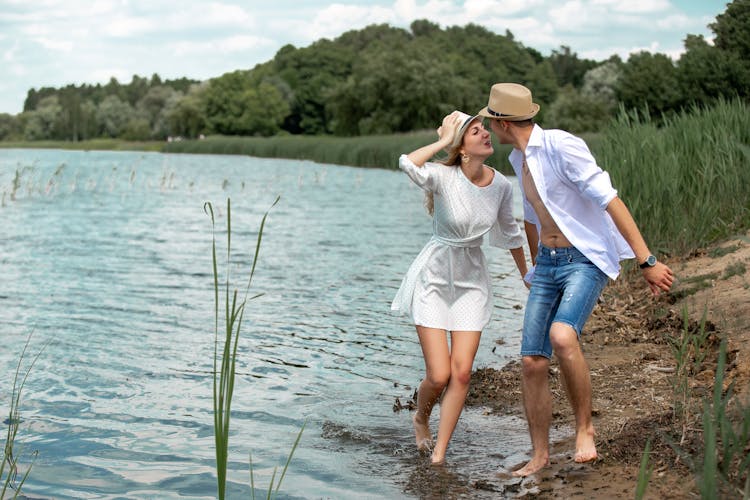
x=461 y=243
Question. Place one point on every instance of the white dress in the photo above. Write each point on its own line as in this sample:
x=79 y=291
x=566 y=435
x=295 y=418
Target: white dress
x=448 y=284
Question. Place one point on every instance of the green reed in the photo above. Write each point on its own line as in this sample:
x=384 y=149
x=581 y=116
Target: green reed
x=724 y=468
x=225 y=359
x=9 y=465
x=375 y=151
x=689 y=349
x=726 y=451
x=685 y=180
x=644 y=472
x=101 y=144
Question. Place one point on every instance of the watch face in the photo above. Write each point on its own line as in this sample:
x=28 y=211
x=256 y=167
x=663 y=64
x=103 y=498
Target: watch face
x=649 y=262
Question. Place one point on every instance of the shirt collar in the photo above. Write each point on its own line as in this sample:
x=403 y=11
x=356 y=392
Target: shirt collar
x=535 y=139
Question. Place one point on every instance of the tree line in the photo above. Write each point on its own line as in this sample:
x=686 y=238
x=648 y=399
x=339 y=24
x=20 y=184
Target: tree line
x=382 y=80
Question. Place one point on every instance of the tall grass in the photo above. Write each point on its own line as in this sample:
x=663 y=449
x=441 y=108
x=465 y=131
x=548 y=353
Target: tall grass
x=726 y=445
x=225 y=353
x=686 y=180
x=644 y=472
x=100 y=144
x=9 y=465
x=723 y=470
x=690 y=349
x=377 y=151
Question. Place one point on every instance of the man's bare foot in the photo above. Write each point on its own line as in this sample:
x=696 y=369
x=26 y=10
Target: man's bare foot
x=585 y=447
x=422 y=433
x=532 y=466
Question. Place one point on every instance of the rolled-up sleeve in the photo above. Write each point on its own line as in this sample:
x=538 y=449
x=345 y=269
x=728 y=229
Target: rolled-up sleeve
x=505 y=232
x=426 y=176
x=581 y=169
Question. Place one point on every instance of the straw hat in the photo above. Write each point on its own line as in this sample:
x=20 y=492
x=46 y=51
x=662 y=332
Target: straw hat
x=465 y=121
x=510 y=101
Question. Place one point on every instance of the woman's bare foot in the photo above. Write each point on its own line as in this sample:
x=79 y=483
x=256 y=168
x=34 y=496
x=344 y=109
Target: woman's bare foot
x=532 y=466
x=422 y=433
x=585 y=446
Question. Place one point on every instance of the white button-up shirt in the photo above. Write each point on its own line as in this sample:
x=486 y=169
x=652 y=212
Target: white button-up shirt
x=576 y=192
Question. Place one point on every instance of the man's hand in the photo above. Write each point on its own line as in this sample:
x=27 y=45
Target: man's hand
x=659 y=277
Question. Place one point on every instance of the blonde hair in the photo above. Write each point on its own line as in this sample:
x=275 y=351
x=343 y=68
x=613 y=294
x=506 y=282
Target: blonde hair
x=452 y=160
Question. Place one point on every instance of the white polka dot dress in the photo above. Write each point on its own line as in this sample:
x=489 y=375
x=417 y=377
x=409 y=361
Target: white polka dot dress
x=448 y=284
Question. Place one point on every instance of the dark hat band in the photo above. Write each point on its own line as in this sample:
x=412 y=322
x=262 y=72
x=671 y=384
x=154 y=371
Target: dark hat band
x=495 y=113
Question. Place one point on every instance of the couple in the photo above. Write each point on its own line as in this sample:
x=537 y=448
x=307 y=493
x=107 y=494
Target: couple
x=577 y=229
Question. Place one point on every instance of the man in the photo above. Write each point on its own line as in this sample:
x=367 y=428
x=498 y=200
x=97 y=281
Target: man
x=578 y=230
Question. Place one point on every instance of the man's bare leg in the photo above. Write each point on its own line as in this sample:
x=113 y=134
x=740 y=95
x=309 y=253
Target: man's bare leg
x=437 y=365
x=537 y=403
x=577 y=384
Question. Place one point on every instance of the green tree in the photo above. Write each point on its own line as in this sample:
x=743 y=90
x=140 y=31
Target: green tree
x=706 y=72
x=732 y=29
x=234 y=106
x=89 y=126
x=185 y=116
x=136 y=89
x=543 y=84
x=568 y=67
x=649 y=81
x=137 y=129
x=113 y=115
x=600 y=83
x=398 y=92
x=43 y=122
x=112 y=88
x=9 y=126
x=311 y=73
x=151 y=106
x=577 y=112
x=33 y=97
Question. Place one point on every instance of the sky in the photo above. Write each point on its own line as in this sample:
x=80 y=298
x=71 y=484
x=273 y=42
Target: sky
x=51 y=43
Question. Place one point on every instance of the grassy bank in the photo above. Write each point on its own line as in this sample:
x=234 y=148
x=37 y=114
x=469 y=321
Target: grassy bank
x=88 y=145
x=375 y=151
x=686 y=181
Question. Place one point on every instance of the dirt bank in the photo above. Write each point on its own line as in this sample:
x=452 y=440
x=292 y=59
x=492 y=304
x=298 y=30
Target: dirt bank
x=633 y=368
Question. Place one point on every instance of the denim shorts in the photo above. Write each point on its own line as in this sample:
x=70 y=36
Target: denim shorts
x=565 y=289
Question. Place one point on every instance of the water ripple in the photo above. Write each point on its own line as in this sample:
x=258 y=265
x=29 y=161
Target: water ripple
x=108 y=256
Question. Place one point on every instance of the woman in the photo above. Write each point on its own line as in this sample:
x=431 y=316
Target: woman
x=447 y=287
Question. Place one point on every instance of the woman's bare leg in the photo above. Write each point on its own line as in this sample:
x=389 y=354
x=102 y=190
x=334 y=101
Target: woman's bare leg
x=463 y=349
x=436 y=354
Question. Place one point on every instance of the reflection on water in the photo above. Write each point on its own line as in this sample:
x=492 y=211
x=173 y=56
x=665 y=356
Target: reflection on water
x=108 y=256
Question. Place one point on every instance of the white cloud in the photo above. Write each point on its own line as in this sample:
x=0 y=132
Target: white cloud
x=226 y=45
x=126 y=27
x=336 y=19
x=57 y=45
x=477 y=9
x=635 y=6
x=202 y=16
x=103 y=75
x=572 y=16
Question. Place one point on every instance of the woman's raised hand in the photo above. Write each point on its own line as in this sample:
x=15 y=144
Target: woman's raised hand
x=451 y=123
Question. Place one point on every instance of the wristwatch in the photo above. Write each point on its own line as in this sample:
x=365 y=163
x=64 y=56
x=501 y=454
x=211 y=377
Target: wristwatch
x=649 y=262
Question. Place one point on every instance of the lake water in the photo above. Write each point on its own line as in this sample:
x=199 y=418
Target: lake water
x=107 y=256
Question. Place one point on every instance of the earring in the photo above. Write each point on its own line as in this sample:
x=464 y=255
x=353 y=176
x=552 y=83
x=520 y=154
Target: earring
x=465 y=158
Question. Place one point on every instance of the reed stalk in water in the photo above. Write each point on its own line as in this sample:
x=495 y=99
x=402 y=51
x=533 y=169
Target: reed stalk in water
x=225 y=357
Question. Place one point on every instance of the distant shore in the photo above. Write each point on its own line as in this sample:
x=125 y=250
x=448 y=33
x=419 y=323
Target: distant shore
x=376 y=151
